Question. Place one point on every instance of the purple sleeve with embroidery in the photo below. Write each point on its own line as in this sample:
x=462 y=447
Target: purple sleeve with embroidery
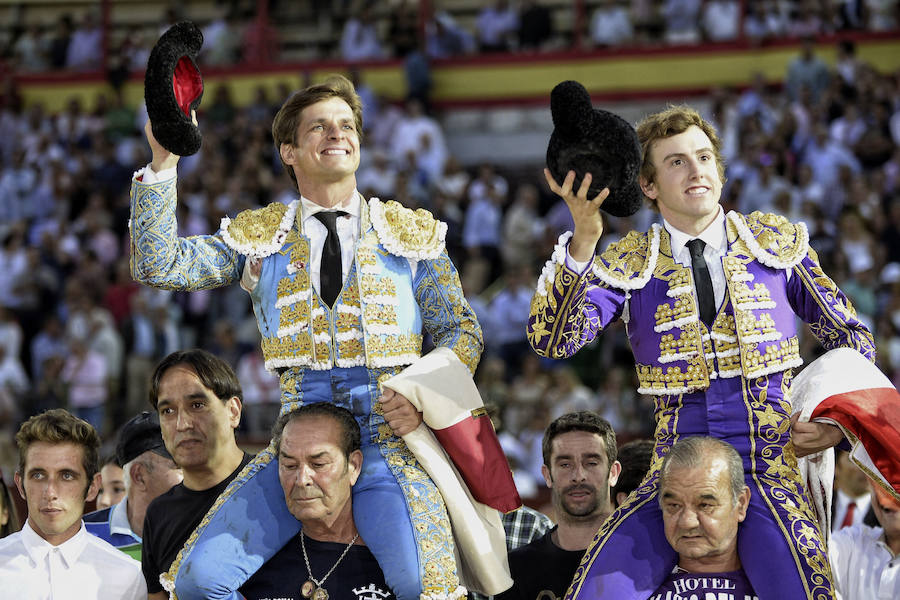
x=831 y=317
x=721 y=586
x=574 y=309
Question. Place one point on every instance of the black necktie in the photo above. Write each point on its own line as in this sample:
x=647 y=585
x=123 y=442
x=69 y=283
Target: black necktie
x=706 y=298
x=331 y=277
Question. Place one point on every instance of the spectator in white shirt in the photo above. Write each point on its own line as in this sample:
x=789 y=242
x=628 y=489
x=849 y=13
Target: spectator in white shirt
x=721 y=20
x=54 y=557
x=611 y=24
x=359 y=40
x=865 y=561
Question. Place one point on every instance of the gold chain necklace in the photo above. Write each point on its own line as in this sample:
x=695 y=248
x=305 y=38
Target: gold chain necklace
x=313 y=588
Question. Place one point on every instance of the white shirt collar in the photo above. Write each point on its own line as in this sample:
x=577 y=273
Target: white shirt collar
x=38 y=548
x=351 y=206
x=118 y=519
x=713 y=235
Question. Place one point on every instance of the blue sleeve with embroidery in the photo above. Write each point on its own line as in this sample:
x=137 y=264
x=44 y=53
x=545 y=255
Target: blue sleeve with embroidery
x=446 y=313
x=161 y=259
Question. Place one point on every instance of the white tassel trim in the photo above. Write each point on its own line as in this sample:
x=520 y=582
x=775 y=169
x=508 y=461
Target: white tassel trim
x=350 y=310
x=679 y=291
x=292 y=299
x=390 y=242
x=753 y=305
x=353 y=334
x=763 y=256
x=394 y=361
x=383 y=329
x=274 y=364
x=668 y=358
x=378 y=299
x=346 y=363
x=743 y=276
x=729 y=373
x=676 y=323
x=321 y=338
x=548 y=273
x=264 y=250
x=290 y=330
x=723 y=338
x=765 y=337
x=667 y=391
x=634 y=283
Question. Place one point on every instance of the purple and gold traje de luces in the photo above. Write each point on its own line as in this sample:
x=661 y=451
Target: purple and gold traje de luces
x=730 y=381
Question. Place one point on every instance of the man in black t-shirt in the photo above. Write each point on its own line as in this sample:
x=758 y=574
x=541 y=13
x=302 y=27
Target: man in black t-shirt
x=198 y=398
x=319 y=461
x=580 y=466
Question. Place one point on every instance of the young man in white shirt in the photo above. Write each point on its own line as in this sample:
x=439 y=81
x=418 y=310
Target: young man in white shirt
x=54 y=557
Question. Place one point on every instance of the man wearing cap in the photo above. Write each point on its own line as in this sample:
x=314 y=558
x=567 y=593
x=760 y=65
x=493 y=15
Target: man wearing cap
x=148 y=472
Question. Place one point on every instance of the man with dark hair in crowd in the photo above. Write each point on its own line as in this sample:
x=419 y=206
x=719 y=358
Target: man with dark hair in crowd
x=703 y=499
x=635 y=458
x=148 y=471
x=319 y=462
x=580 y=467
x=198 y=399
x=53 y=556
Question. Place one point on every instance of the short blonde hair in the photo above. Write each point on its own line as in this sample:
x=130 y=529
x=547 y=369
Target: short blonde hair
x=665 y=124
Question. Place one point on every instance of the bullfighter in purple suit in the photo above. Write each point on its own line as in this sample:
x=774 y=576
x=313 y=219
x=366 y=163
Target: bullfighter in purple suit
x=728 y=377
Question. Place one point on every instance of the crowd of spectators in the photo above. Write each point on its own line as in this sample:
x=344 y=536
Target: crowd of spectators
x=363 y=30
x=76 y=331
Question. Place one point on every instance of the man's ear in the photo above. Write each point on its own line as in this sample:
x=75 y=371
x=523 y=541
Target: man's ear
x=648 y=187
x=93 y=489
x=287 y=153
x=742 y=504
x=136 y=474
x=18 y=479
x=354 y=463
x=548 y=478
x=614 y=472
x=234 y=408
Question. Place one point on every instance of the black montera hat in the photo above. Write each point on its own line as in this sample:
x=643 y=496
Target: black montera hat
x=591 y=140
x=140 y=434
x=173 y=87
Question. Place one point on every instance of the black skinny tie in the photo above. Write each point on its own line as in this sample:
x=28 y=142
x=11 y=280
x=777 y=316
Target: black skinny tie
x=331 y=277
x=705 y=295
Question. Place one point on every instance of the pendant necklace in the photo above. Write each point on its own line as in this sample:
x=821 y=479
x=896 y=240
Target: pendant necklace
x=313 y=588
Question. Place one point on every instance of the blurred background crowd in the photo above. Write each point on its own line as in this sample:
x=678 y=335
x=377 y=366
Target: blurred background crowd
x=820 y=143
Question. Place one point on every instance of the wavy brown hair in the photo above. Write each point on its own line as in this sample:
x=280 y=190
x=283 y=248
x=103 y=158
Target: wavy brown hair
x=669 y=122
